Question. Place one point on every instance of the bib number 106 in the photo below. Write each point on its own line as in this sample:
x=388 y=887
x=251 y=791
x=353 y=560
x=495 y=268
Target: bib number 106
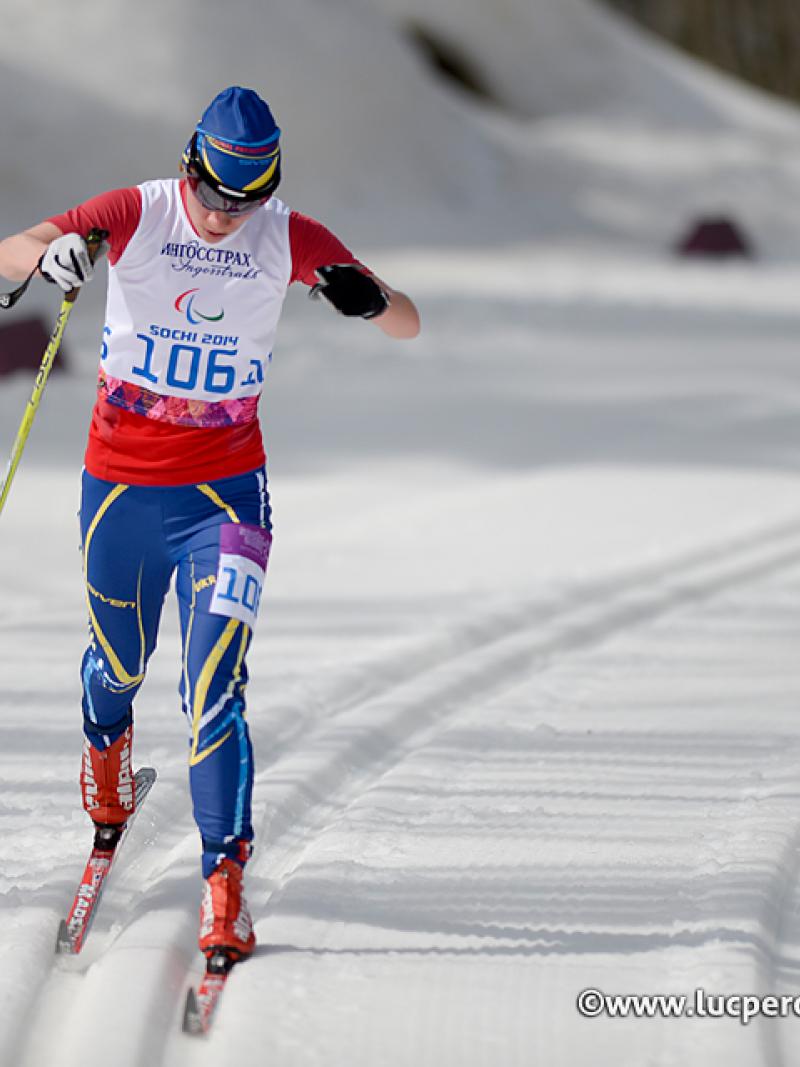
x=237 y=590
x=188 y=365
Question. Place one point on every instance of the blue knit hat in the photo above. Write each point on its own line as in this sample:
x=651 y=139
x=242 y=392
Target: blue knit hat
x=236 y=144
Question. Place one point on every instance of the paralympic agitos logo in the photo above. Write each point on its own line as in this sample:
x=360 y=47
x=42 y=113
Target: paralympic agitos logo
x=185 y=304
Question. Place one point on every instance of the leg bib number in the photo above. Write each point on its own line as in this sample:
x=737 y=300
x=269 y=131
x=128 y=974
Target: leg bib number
x=244 y=553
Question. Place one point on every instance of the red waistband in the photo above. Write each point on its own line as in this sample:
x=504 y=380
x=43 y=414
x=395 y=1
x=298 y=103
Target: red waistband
x=129 y=448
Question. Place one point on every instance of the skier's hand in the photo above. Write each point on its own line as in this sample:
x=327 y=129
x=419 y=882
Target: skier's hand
x=350 y=291
x=66 y=263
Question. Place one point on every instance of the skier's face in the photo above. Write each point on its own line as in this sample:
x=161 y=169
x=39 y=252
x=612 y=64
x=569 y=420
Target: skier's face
x=212 y=226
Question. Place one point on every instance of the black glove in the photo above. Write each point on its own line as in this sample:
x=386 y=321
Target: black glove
x=351 y=291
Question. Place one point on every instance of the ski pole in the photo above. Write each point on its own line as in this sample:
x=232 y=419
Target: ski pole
x=94 y=241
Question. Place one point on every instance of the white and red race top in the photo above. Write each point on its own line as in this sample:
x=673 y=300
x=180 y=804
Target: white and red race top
x=189 y=331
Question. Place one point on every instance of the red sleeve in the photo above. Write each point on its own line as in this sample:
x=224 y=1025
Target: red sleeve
x=313 y=245
x=118 y=211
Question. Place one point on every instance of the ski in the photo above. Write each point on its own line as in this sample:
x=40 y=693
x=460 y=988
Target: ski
x=201 y=1003
x=73 y=930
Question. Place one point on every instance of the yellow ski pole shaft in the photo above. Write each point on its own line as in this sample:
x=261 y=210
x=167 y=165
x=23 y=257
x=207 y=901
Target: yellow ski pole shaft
x=94 y=241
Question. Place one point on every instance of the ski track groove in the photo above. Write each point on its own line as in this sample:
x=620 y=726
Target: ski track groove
x=374 y=723
x=589 y=615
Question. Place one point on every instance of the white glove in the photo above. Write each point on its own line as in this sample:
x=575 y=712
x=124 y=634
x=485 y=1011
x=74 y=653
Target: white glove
x=66 y=262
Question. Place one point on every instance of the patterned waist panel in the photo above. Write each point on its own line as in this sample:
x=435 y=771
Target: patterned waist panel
x=175 y=409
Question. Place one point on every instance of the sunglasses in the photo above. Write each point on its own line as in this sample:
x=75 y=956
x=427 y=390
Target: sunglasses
x=214 y=201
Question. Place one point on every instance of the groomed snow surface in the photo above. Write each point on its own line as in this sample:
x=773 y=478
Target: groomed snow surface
x=524 y=693
x=524 y=700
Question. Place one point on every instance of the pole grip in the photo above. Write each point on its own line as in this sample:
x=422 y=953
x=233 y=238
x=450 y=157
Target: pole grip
x=95 y=243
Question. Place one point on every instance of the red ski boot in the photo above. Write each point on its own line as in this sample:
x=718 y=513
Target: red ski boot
x=225 y=923
x=107 y=781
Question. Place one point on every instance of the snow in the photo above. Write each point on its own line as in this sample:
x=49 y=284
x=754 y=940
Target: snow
x=524 y=690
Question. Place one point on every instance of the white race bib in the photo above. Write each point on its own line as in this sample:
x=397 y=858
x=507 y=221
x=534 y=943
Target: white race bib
x=244 y=553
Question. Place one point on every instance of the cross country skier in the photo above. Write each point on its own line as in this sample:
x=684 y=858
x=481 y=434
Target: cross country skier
x=175 y=479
